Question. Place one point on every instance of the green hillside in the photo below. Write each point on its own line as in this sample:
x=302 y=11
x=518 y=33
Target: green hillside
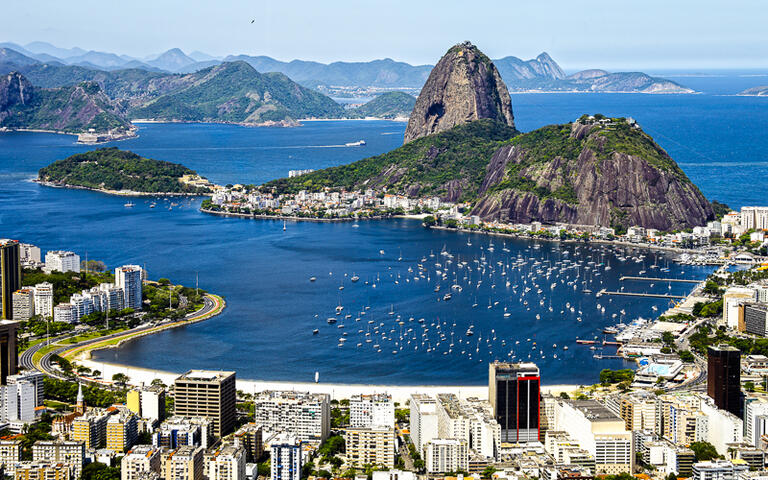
x=386 y=105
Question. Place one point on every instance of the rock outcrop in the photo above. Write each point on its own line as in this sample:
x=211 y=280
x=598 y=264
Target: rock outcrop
x=463 y=86
x=593 y=172
x=14 y=90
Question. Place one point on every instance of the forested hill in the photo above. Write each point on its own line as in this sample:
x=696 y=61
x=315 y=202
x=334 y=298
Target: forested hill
x=111 y=169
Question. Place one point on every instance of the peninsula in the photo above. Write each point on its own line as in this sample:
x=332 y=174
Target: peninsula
x=121 y=172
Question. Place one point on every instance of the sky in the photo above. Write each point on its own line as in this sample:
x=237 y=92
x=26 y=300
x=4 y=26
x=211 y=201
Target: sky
x=615 y=34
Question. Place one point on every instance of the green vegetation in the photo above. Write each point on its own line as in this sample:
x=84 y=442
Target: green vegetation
x=65 y=284
x=386 y=105
x=114 y=169
x=100 y=471
x=610 y=377
x=36 y=431
x=704 y=451
x=236 y=92
x=720 y=209
x=65 y=391
x=426 y=165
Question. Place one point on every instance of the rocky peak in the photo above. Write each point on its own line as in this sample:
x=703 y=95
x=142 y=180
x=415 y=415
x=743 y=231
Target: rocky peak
x=462 y=87
x=545 y=66
x=15 y=89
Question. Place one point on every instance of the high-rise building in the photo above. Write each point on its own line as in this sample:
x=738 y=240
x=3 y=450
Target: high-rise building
x=183 y=463
x=424 y=419
x=303 y=414
x=29 y=254
x=377 y=410
x=203 y=393
x=724 y=377
x=371 y=446
x=147 y=403
x=61 y=261
x=10 y=455
x=128 y=278
x=184 y=431
x=122 y=431
x=443 y=455
x=44 y=299
x=226 y=463
x=21 y=396
x=23 y=304
x=9 y=358
x=91 y=428
x=514 y=393
x=43 y=471
x=10 y=275
x=285 y=458
x=250 y=438
x=70 y=453
x=139 y=461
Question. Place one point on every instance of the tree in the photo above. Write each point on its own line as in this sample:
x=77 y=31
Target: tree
x=429 y=221
x=120 y=379
x=488 y=471
x=668 y=338
x=564 y=396
x=158 y=383
x=749 y=386
x=685 y=356
x=704 y=451
x=99 y=471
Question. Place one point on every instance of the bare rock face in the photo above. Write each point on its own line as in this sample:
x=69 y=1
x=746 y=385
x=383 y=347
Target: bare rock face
x=606 y=173
x=463 y=86
x=14 y=90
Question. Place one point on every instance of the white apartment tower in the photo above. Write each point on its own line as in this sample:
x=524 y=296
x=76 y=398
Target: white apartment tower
x=285 y=459
x=366 y=411
x=128 y=278
x=61 y=261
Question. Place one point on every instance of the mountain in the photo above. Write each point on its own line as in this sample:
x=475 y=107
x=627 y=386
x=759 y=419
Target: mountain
x=386 y=105
x=761 y=91
x=595 y=171
x=13 y=58
x=463 y=86
x=235 y=92
x=450 y=164
x=97 y=59
x=73 y=109
x=173 y=60
x=199 y=56
x=512 y=68
x=46 y=48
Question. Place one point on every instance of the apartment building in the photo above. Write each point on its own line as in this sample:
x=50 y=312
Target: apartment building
x=305 y=415
x=210 y=394
x=371 y=446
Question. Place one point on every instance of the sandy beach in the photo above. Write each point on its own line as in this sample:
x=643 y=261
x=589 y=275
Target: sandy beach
x=338 y=391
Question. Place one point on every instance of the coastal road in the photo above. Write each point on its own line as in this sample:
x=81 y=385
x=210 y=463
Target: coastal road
x=211 y=305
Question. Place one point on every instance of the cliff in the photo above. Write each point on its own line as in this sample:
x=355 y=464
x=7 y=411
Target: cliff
x=596 y=171
x=462 y=87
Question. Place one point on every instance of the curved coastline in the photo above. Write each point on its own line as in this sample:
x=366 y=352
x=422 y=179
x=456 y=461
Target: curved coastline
x=119 y=193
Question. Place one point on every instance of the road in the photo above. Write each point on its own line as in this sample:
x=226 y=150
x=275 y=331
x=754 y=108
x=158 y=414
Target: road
x=45 y=364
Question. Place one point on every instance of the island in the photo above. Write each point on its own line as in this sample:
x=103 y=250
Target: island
x=121 y=172
x=761 y=91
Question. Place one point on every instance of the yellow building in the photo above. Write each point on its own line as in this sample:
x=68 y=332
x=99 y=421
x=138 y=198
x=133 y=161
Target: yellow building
x=42 y=471
x=122 y=431
x=183 y=463
x=133 y=401
x=91 y=428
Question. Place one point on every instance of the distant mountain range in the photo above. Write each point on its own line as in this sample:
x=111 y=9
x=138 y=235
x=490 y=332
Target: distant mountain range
x=761 y=91
x=350 y=78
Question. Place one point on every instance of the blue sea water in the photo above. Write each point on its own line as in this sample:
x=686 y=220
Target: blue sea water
x=266 y=330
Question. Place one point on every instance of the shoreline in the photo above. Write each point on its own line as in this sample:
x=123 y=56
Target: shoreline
x=337 y=391
x=292 y=218
x=131 y=135
x=118 y=193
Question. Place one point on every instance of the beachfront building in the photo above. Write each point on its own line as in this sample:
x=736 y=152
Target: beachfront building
x=226 y=463
x=43 y=295
x=514 y=392
x=286 y=458
x=64 y=312
x=371 y=446
x=61 y=261
x=376 y=410
x=210 y=394
x=598 y=431
x=70 y=453
x=147 y=403
x=129 y=279
x=302 y=414
x=183 y=463
x=424 y=420
x=140 y=461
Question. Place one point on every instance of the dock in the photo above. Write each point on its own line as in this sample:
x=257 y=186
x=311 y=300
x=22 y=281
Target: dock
x=649 y=295
x=654 y=279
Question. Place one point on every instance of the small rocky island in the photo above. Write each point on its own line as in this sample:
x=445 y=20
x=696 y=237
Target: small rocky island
x=121 y=172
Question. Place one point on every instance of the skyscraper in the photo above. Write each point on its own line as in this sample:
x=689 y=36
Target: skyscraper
x=513 y=390
x=724 y=377
x=128 y=278
x=9 y=359
x=10 y=275
x=202 y=393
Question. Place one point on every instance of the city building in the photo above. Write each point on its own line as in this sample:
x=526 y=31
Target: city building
x=122 y=431
x=443 y=455
x=9 y=360
x=754 y=218
x=23 y=304
x=20 y=398
x=65 y=312
x=43 y=471
x=226 y=463
x=70 y=453
x=139 y=461
x=129 y=279
x=183 y=463
x=755 y=419
x=302 y=414
x=722 y=427
x=424 y=420
x=29 y=254
x=598 y=431
x=147 y=403
x=286 y=458
x=724 y=377
x=44 y=299
x=755 y=317
x=249 y=437
x=732 y=299
x=61 y=261
x=393 y=475
x=470 y=421
x=513 y=390
x=204 y=393
x=10 y=275
x=180 y=431
x=717 y=470
x=10 y=455
x=371 y=446
x=377 y=410
x=91 y=428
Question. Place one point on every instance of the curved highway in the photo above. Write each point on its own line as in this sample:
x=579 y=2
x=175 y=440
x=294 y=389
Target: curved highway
x=46 y=366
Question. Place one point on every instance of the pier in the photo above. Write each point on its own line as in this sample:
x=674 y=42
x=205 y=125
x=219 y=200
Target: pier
x=649 y=295
x=654 y=279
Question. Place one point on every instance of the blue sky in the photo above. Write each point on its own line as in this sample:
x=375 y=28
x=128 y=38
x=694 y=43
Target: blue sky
x=616 y=34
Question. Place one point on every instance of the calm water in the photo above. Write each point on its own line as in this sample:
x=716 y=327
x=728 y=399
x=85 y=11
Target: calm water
x=266 y=331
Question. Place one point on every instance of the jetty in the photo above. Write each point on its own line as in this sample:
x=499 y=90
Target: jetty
x=632 y=294
x=654 y=279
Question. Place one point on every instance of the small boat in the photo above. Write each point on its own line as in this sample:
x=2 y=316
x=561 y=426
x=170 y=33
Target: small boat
x=359 y=143
x=331 y=321
x=312 y=279
x=129 y=205
x=355 y=278
x=315 y=331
